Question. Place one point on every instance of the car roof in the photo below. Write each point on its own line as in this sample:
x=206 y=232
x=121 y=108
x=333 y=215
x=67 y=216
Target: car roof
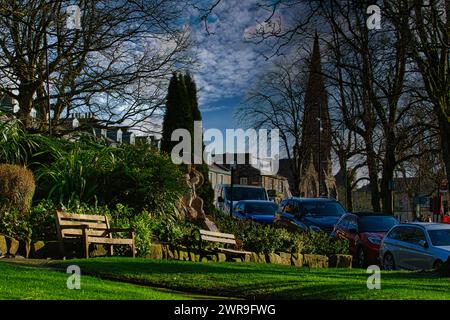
x=428 y=225
x=300 y=199
x=240 y=186
x=256 y=201
x=371 y=214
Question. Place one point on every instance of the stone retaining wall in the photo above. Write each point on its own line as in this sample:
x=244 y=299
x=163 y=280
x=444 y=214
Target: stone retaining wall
x=50 y=249
x=161 y=251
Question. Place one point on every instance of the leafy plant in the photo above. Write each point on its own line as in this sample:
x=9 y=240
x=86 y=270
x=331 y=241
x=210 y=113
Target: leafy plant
x=13 y=224
x=16 y=144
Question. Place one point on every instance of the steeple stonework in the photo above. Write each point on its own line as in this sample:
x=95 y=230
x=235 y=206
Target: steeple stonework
x=316 y=137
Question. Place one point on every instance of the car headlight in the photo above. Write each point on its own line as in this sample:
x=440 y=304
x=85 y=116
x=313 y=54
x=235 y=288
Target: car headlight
x=315 y=228
x=374 y=240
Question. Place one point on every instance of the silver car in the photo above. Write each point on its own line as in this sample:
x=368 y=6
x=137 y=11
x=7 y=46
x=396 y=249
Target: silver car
x=416 y=246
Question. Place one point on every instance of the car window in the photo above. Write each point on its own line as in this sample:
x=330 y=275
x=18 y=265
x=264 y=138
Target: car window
x=440 y=237
x=396 y=234
x=413 y=235
x=261 y=208
x=343 y=224
x=352 y=223
x=376 y=223
x=322 y=208
x=288 y=208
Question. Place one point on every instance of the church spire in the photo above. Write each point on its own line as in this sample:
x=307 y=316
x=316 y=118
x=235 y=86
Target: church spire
x=316 y=138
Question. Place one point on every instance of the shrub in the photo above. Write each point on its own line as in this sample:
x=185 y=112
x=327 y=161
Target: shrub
x=41 y=221
x=16 y=188
x=76 y=175
x=267 y=239
x=13 y=224
x=322 y=243
x=144 y=179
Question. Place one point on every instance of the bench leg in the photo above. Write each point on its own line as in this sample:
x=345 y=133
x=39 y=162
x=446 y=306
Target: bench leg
x=86 y=248
x=110 y=250
x=85 y=244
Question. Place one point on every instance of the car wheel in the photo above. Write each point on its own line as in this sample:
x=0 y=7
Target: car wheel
x=388 y=262
x=361 y=258
x=437 y=264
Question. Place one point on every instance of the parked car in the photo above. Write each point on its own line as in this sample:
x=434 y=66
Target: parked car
x=256 y=210
x=416 y=245
x=317 y=214
x=240 y=192
x=364 y=232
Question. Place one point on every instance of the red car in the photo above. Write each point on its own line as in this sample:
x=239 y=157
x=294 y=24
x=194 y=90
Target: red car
x=364 y=231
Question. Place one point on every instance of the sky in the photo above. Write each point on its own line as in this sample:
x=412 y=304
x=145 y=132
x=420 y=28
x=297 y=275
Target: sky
x=228 y=63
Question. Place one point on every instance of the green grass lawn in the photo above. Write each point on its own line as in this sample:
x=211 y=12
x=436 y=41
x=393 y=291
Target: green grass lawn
x=31 y=283
x=251 y=281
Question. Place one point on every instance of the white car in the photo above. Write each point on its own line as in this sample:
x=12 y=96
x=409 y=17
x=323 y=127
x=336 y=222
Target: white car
x=416 y=246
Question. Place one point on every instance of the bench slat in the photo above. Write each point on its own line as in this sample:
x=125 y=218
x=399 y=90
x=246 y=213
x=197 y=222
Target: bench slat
x=78 y=217
x=215 y=239
x=92 y=225
x=109 y=241
x=217 y=234
x=78 y=232
x=233 y=251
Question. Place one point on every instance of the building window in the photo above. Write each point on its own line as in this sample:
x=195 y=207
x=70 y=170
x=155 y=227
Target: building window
x=210 y=176
x=221 y=178
x=243 y=181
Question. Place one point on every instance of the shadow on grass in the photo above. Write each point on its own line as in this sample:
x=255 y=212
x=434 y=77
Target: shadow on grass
x=250 y=281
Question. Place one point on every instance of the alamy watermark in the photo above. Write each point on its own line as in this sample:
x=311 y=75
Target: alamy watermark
x=74 y=280
x=374 y=280
x=374 y=20
x=74 y=17
x=262 y=146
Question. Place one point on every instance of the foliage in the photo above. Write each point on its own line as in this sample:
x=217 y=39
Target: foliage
x=322 y=243
x=267 y=239
x=77 y=174
x=256 y=237
x=178 y=113
x=41 y=221
x=13 y=224
x=16 y=188
x=143 y=179
x=173 y=232
x=16 y=144
x=206 y=191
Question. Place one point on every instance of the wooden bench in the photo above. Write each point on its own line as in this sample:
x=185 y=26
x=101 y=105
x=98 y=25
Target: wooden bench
x=90 y=229
x=225 y=238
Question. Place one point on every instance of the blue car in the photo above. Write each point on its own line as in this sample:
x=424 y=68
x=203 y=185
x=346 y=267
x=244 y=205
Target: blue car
x=316 y=214
x=256 y=210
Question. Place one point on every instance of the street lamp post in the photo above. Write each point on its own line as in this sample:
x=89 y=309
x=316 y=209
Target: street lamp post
x=47 y=70
x=232 y=167
x=320 y=154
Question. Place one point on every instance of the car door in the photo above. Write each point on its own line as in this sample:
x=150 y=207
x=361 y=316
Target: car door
x=393 y=243
x=352 y=234
x=341 y=228
x=417 y=256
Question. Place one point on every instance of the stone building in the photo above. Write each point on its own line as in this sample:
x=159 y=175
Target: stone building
x=316 y=168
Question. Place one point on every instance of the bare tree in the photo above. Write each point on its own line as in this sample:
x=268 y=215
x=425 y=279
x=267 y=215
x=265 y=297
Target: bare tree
x=115 y=67
x=277 y=103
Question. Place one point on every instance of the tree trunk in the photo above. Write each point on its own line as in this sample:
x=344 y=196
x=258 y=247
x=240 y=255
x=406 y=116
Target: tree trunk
x=388 y=176
x=373 y=176
x=444 y=131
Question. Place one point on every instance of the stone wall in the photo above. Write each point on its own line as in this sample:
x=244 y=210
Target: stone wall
x=162 y=251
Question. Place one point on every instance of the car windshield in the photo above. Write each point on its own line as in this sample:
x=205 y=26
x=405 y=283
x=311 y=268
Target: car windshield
x=376 y=223
x=322 y=209
x=240 y=193
x=261 y=208
x=440 y=237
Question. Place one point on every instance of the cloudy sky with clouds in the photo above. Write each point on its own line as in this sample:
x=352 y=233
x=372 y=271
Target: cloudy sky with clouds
x=228 y=63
